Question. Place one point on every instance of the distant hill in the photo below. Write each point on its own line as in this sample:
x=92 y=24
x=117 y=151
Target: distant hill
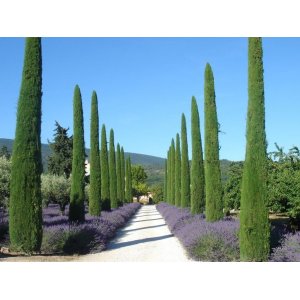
x=154 y=166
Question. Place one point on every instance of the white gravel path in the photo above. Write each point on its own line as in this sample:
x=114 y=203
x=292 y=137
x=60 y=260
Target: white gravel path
x=145 y=238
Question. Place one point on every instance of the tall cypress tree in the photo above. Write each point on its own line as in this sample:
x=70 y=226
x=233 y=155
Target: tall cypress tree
x=112 y=171
x=95 y=173
x=172 y=162
x=105 y=196
x=197 y=168
x=166 y=181
x=185 y=167
x=128 y=192
x=254 y=227
x=122 y=175
x=177 y=172
x=25 y=207
x=119 y=177
x=213 y=185
x=169 y=175
x=76 y=212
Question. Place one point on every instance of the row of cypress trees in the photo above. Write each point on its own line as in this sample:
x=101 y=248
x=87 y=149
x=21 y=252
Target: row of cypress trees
x=197 y=185
x=254 y=235
x=25 y=206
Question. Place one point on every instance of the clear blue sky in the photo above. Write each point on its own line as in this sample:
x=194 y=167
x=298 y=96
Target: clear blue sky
x=144 y=84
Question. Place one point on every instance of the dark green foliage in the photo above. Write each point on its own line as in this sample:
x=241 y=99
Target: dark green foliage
x=95 y=172
x=60 y=160
x=112 y=171
x=105 y=196
x=25 y=207
x=76 y=213
x=4 y=152
x=232 y=187
x=172 y=172
x=254 y=224
x=177 y=172
x=169 y=175
x=166 y=181
x=197 y=168
x=157 y=192
x=185 y=168
x=122 y=175
x=213 y=185
x=119 y=176
x=128 y=181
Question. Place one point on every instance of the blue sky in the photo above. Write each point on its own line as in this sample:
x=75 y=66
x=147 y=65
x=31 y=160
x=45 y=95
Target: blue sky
x=144 y=84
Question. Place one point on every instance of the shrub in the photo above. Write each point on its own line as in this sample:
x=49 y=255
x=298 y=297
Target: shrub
x=5 y=170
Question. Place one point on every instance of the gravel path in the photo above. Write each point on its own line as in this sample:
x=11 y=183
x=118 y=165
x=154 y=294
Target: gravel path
x=145 y=238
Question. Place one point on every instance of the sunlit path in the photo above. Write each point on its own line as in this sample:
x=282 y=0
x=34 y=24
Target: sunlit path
x=145 y=238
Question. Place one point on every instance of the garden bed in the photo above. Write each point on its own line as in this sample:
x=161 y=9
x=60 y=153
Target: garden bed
x=218 y=241
x=61 y=237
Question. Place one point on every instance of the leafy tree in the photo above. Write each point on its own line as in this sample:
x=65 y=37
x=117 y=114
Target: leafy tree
x=5 y=177
x=177 y=172
x=56 y=189
x=232 y=187
x=122 y=175
x=213 y=184
x=172 y=172
x=105 y=195
x=185 y=168
x=128 y=181
x=4 y=152
x=76 y=212
x=139 y=177
x=254 y=223
x=60 y=160
x=197 y=168
x=112 y=171
x=25 y=207
x=166 y=181
x=119 y=176
x=95 y=172
x=157 y=192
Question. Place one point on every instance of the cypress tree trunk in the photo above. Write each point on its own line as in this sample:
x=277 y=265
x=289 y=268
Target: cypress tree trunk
x=119 y=178
x=172 y=161
x=166 y=181
x=185 y=168
x=95 y=173
x=112 y=171
x=128 y=193
x=254 y=224
x=197 y=172
x=122 y=175
x=76 y=212
x=25 y=206
x=177 y=172
x=213 y=185
x=105 y=197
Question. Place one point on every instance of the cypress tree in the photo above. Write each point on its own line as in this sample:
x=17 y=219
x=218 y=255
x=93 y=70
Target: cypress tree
x=169 y=175
x=213 y=185
x=76 y=212
x=112 y=171
x=105 y=197
x=166 y=181
x=128 y=193
x=177 y=172
x=95 y=173
x=254 y=224
x=122 y=175
x=185 y=168
x=197 y=167
x=25 y=206
x=172 y=164
x=119 y=177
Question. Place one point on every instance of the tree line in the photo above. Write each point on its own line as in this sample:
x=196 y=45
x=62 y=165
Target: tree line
x=197 y=185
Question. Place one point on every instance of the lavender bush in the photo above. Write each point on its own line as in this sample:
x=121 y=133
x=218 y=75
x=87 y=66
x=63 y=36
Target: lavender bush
x=203 y=241
x=289 y=251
